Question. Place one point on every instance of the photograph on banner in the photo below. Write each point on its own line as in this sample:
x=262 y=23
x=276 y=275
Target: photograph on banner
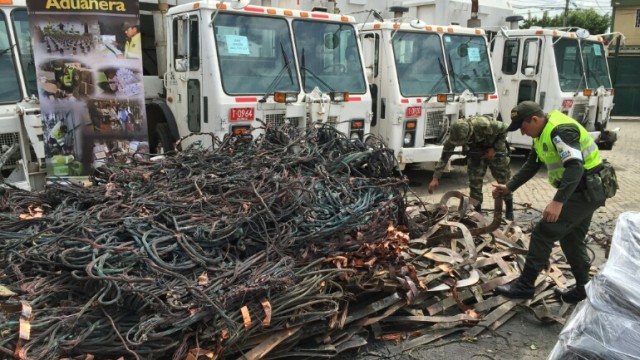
x=64 y=79
x=63 y=132
x=90 y=84
x=119 y=82
x=92 y=37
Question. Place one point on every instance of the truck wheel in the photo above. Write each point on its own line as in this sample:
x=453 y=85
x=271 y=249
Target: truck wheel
x=162 y=143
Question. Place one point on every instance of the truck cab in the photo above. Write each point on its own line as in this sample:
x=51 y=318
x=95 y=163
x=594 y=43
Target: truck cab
x=21 y=146
x=423 y=78
x=560 y=70
x=233 y=69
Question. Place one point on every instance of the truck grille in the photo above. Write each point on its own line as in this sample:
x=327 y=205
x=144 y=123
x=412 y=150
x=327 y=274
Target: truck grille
x=578 y=112
x=6 y=141
x=436 y=126
x=278 y=120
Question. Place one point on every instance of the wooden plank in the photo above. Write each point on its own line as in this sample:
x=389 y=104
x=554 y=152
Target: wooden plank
x=495 y=315
x=557 y=276
x=502 y=320
x=425 y=339
x=272 y=341
x=373 y=307
x=490 y=303
x=506 y=268
x=428 y=319
x=448 y=302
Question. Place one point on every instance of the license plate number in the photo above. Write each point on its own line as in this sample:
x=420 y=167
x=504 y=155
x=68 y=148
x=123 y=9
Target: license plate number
x=241 y=114
x=414 y=111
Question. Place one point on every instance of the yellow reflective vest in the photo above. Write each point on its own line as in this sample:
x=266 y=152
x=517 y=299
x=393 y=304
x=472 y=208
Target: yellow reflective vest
x=133 y=47
x=547 y=153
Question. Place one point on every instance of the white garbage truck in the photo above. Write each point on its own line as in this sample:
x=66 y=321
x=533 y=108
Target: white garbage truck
x=561 y=70
x=210 y=67
x=423 y=78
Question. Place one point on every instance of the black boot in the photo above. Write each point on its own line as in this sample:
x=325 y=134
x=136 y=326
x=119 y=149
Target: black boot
x=508 y=210
x=571 y=296
x=478 y=208
x=517 y=290
x=522 y=288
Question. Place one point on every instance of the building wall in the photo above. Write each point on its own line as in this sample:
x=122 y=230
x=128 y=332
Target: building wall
x=625 y=20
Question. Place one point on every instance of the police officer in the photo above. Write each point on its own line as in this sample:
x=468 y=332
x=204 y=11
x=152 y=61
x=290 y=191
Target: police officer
x=482 y=138
x=568 y=152
x=133 y=46
x=67 y=80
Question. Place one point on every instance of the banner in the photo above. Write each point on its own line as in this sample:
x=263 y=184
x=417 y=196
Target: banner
x=88 y=56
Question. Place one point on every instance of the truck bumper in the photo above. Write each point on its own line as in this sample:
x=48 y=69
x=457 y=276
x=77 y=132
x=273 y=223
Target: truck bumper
x=426 y=154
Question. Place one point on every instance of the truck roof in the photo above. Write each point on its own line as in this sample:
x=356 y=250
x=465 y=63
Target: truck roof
x=449 y=29
x=255 y=9
x=550 y=32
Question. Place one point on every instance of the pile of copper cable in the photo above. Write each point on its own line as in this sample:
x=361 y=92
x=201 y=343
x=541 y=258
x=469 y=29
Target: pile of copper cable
x=291 y=245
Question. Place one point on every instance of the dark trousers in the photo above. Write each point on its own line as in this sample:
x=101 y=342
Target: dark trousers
x=571 y=230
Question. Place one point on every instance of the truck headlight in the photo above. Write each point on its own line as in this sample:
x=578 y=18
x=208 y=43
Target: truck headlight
x=409 y=138
x=339 y=96
x=356 y=131
x=282 y=97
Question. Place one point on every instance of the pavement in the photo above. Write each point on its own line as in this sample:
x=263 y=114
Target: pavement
x=524 y=337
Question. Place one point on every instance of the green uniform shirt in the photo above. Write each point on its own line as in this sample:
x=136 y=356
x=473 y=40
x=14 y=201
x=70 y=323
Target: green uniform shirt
x=574 y=169
x=487 y=133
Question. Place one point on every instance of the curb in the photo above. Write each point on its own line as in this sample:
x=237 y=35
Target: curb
x=625 y=118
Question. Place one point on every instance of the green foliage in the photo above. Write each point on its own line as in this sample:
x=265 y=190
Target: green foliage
x=585 y=18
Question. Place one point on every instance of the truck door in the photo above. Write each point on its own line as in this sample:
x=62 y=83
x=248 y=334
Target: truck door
x=521 y=72
x=185 y=73
x=370 y=50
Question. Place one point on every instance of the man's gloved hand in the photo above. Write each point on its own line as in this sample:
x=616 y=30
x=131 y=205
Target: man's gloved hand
x=433 y=185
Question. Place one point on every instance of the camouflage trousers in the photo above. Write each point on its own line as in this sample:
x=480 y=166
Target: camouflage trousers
x=477 y=169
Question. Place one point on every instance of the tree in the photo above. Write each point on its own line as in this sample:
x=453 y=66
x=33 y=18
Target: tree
x=584 y=18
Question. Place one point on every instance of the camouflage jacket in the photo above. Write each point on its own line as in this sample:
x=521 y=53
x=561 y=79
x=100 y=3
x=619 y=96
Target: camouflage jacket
x=487 y=133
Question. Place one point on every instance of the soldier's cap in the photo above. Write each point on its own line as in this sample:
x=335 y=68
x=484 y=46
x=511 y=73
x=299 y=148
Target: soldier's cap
x=522 y=111
x=460 y=132
x=128 y=24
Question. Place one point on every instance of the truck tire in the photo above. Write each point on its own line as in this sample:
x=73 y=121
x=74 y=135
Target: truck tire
x=163 y=143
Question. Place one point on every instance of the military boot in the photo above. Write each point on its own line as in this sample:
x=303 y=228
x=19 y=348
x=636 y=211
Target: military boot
x=571 y=296
x=508 y=209
x=522 y=288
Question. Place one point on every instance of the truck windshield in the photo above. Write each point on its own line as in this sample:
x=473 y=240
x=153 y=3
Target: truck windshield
x=595 y=64
x=469 y=63
x=10 y=89
x=328 y=57
x=420 y=64
x=23 y=36
x=255 y=54
x=568 y=64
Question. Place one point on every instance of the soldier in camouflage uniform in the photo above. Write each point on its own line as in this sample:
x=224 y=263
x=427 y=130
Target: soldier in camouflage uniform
x=486 y=137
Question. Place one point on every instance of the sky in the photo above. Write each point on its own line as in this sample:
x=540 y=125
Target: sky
x=556 y=7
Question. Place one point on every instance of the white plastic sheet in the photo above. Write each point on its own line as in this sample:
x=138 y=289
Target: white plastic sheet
x=606 y=325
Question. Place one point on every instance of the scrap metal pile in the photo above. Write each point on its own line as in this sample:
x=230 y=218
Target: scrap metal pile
x=292 y=245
